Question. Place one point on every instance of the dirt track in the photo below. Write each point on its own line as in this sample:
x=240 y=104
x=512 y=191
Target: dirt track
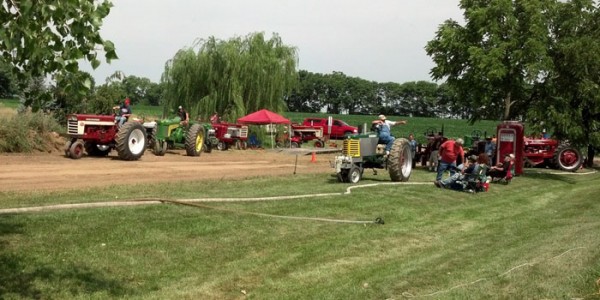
x=53 y=171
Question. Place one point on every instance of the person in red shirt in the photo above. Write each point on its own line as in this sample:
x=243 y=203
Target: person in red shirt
x=449 y=151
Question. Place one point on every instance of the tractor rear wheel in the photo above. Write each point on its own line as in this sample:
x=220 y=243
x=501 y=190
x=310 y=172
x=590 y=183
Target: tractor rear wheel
x=76 y=150
x=400 y=160
x=93 y=149
x=194 y=140
x=160 y=147
x=567 y=158
x=131 y=141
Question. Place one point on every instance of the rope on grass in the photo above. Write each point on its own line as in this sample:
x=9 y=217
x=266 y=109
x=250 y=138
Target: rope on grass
x=531 y=264
x=378 y=220
x=144 y=201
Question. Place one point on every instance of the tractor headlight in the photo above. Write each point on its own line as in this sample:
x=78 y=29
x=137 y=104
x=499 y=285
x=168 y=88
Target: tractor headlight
x=72 y=118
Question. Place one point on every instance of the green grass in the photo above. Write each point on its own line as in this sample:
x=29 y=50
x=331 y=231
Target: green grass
x=9 y=103
x=535 y=238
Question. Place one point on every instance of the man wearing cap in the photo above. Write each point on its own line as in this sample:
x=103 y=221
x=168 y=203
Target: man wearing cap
x=449 y=151
x=124 y=112
x=184 y=116
x=385 y=134
x=502 y=170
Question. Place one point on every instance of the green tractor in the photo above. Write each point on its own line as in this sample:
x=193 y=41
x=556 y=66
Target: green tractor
x=362 y=151
x=169 y=134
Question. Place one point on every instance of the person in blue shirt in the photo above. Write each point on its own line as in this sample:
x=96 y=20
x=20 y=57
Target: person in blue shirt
x=385 y=134
x=413 y=148
x=124 y=112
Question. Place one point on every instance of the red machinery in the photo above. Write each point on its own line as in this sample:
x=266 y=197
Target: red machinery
x=303 y=133
x=535 y=151
x=231 y=135
x=97 y=135
x=510 y=141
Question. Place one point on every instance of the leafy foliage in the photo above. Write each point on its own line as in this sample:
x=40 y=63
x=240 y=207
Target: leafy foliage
x=492 y=61
x=337 y=93
x=233 y=77
x=47 y=37
x=569 y=99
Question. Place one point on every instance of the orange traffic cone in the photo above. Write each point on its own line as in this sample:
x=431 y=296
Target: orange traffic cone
x=313 y=159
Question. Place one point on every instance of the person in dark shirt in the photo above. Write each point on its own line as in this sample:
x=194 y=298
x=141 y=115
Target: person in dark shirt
x=501 y=170
x=184 y=116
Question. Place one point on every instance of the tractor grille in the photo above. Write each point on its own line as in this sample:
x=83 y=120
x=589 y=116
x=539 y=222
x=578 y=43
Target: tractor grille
x=244 y=132
x=72 y=127
x=351 y=148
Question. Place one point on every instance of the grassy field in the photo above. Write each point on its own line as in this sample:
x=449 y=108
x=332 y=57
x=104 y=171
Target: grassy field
x=536 y=238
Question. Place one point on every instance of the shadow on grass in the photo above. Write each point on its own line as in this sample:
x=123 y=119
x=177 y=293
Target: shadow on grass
x=21 y=276
x=549 y=177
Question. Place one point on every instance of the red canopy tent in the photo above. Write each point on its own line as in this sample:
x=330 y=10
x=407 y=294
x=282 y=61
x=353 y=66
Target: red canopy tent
x=264 y=117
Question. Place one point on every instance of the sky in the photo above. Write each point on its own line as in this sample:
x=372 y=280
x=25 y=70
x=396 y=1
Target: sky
x=376 y=40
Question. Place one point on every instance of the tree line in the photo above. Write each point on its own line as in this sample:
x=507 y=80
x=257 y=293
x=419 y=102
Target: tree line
x=534 y=61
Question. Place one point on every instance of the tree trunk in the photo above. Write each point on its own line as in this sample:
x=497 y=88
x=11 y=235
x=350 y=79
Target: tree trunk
x=590 y=156
x=507 y=105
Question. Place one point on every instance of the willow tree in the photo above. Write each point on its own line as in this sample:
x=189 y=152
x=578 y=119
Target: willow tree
x=232 y=78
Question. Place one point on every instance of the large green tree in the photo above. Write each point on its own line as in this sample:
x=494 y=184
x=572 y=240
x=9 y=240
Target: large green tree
x=233 y=77
x=492 y=60
x=568 y=100
x=47 y=37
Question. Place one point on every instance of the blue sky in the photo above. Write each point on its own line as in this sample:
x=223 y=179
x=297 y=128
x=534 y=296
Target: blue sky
x=379 y=40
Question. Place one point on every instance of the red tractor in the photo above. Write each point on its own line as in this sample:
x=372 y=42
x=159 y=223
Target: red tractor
x=532 y=151
x=231 y=135
x=552 y=153
x=97 y=135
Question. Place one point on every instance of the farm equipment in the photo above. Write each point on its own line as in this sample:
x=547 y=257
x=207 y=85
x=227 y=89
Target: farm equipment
x=550 y=152
x=535 y=151
x=301 y=134
x=361 y=151
x=194 y=138
x=97 y=135
x=229 y=135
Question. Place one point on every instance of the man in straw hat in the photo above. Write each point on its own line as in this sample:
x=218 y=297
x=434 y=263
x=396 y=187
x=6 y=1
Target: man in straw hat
x=385 y=134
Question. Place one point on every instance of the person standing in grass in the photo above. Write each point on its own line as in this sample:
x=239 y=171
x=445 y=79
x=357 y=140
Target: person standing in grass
x=413 y=148
x=449 y=151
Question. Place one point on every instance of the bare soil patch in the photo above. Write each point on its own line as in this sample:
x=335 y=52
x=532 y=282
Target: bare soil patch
x=53 y=171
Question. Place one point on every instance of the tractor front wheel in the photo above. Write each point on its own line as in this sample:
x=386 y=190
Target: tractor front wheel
x=400 y=160
x=160 y=147
x=76 y=149
x=222 y=146
x=131 y=141
x=567 y=158
x=354 y=175
x=194 y=140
